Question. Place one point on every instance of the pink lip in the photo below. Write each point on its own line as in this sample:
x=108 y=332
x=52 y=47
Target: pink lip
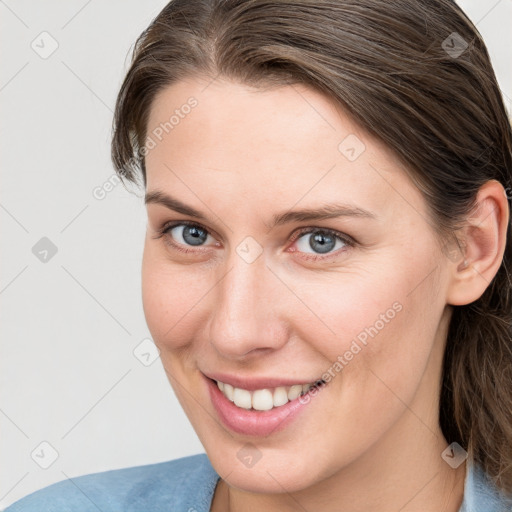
x=256 y=383
x=251 y=422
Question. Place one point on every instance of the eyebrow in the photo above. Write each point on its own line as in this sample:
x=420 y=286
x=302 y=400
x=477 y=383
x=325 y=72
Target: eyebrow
x=329 y=211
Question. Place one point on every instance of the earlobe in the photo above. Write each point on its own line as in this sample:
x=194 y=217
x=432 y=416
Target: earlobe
x=481 y=245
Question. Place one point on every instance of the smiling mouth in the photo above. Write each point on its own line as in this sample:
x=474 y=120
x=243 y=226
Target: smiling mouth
x=265 y=399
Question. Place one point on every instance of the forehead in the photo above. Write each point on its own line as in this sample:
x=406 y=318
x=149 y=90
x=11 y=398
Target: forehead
x=291 y=143
x=230 y=113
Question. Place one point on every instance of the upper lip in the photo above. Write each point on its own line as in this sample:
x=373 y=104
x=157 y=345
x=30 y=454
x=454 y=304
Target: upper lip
x=253 y=383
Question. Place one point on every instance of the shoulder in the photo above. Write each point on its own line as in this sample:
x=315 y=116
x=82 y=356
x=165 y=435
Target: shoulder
x=186 y=484
x=481 y=494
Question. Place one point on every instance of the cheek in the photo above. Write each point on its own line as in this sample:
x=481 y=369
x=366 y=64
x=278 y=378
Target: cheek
x=346 y=309
x=384 y=332
x=379 y=318
x=170 y=296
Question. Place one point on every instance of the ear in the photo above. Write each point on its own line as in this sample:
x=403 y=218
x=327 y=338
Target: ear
x=476 y=255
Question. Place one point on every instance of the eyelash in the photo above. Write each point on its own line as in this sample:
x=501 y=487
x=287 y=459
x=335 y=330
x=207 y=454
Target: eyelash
x=347 y=240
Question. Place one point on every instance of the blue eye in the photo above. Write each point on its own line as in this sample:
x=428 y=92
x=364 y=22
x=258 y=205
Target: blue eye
x=321 y=241
x=190 y=234
x=183 y=236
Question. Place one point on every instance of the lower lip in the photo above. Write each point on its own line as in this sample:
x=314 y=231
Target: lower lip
x=251 y=422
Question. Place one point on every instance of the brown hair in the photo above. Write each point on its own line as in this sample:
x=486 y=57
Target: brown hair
x=416 y=75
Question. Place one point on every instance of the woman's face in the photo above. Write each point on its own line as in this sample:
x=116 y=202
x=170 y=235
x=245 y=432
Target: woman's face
x=249 y=292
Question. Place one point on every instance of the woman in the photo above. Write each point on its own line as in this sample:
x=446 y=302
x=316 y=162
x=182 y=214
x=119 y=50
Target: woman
x=326 y=267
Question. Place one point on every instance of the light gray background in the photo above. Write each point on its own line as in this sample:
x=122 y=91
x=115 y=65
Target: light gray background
x=68 y=373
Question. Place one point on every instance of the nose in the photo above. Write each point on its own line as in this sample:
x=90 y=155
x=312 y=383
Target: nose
x=248 y=310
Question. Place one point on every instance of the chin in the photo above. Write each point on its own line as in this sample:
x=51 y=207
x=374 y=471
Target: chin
x=272 y=473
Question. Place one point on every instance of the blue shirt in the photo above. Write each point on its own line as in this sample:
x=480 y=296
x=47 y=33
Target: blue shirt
x=187 y=485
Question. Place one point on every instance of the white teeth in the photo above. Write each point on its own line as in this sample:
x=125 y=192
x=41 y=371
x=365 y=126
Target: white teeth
x=280 y=396
x=263 y=399
x=228 y=391
x=294 y=391
x=242 y=398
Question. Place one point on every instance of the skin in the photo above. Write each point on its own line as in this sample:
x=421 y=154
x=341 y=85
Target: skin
x=370 y=439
